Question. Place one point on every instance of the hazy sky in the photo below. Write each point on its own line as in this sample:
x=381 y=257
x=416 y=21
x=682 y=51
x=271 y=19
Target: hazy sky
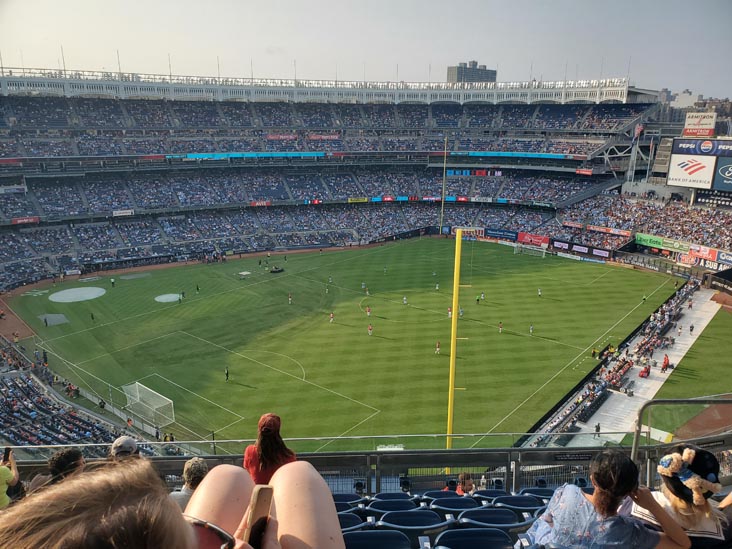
x=667 y=43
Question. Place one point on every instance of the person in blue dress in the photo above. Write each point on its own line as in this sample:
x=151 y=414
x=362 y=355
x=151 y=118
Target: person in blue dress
x=574 y=518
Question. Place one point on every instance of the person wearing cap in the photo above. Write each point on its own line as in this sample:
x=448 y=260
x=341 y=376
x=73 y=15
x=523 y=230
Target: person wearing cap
x=704 y=522
x=123 y=447
x=193 y=472
x=269 y=453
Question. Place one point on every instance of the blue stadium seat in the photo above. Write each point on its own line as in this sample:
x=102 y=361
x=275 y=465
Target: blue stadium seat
x=505 y=519
x=376 y=539
x=392 y=495
x=519 y=503
x=420 y=522
x=544 y=494
x=453 y=506
x=431 y=495
x=474 y=538
x=488 y=495
x=353 y=499
x=351 y=522
x=342 y=506
x=378 y=507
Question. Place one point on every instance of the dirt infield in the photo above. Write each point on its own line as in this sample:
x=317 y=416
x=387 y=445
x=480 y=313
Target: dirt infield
x=13 y=324
x=715 y=419
x=725 y=300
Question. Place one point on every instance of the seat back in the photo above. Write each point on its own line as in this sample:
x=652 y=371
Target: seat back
x=353 y=499
x=420 y=522
x=510 y=521
x=376 y=539
x=431 y=495
x=378 y=507
x=519 y=503
x=488 y=495
x=392 y=495
x=473 y=538
x=541 y=493
x=342 y=506
x=453 y=506
x=351 y=522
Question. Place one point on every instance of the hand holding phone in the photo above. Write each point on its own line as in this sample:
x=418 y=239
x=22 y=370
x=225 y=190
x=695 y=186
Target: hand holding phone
x=258 y=515
x=6 y=454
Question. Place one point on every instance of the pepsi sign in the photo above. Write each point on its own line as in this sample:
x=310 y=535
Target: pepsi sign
x=707 y=147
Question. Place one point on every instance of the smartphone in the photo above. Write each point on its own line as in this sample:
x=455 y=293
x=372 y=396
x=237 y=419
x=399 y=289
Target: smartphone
x=6 y=454
x=258 y=515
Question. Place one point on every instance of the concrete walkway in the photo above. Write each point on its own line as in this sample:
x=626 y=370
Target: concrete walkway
x=618 y=414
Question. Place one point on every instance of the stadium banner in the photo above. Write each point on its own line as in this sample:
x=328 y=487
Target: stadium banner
x=122 y=213
x=71 y=272
x=569 y=256
x=700 y=124
x=583 y=171
x=281 y=136
x=323 y=136
x=257 y=203
x=660 y=242
x=724 y=257
x=481 y=199
x=13 y=161
x=451 y=198
x=580 y=249
x=400 y=198
x=702 y=252
x=541 y=204
x=573 y=224
x=463 y=199
x=430 y=199
x=609 y=230
x=502 y=234
x=560 y=245
x=533 y=239
x=387 y=198
x=13 y=189
x=704 y=147
x=469 y=232
x=25 y=220
x=357 y=199
x=693 y=171
x=375 y=199
x=600 y=252
x=723 y=175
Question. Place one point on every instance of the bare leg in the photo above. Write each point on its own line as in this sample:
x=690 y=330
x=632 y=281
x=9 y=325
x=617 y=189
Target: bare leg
x=303 y=505
x=222 y=497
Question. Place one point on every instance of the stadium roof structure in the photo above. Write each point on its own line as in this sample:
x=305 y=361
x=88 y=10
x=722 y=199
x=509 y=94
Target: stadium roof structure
x=121 y=85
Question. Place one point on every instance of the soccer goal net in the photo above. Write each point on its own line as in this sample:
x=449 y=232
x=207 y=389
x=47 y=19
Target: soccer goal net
x=149 y=405
x=529 y=250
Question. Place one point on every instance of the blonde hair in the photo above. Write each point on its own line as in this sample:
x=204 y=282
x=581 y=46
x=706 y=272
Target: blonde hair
x=120 y=504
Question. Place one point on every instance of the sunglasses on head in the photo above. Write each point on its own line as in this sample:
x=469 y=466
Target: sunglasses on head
x=204 y=530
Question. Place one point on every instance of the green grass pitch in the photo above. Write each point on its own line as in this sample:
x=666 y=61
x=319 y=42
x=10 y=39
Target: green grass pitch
x=332 y=379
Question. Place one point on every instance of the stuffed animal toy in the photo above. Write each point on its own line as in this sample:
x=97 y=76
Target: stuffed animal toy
x=678 y=465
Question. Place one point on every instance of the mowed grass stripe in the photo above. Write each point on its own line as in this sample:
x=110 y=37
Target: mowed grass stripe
x=394 y=371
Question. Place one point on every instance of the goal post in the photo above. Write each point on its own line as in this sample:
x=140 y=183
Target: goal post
x=530 y=250
x=149 y=405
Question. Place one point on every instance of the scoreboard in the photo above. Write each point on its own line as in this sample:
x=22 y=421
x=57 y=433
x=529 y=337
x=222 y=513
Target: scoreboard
x=701 y=164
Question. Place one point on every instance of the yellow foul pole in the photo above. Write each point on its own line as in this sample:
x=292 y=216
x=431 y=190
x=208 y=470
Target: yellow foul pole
x=453 y=334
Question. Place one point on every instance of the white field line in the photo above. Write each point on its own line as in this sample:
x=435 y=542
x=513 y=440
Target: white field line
x=239 y=416
x=288 y=374
x=532 y=395
x=193 y=299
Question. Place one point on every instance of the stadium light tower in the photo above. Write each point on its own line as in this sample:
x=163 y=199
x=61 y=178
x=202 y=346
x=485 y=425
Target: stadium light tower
x=453 y=334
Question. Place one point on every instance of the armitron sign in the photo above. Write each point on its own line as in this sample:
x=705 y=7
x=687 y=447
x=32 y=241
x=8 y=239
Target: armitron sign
x=700 y=124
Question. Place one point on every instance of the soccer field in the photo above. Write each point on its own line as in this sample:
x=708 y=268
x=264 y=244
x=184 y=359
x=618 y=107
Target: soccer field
x=333 y=379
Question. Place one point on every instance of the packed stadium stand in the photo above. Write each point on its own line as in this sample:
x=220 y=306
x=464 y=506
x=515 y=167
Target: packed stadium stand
x=91 y=183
